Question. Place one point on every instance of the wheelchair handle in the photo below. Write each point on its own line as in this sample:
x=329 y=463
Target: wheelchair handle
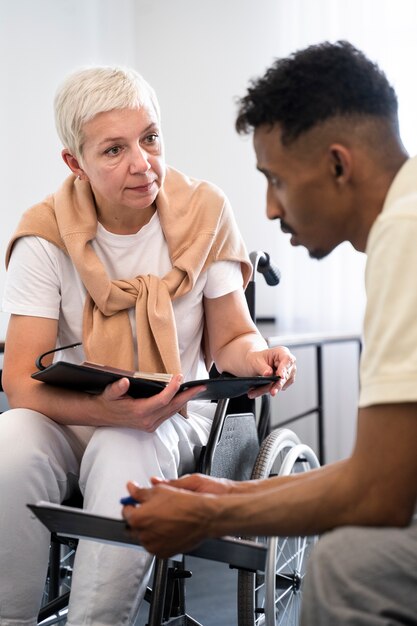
x=261 y=262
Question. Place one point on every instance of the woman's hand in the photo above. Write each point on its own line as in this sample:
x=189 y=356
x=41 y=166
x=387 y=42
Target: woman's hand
x=119 y=409
x=274 y=361
x=27 y=337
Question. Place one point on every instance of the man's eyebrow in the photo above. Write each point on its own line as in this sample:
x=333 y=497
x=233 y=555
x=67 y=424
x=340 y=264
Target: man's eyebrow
x=263 y=170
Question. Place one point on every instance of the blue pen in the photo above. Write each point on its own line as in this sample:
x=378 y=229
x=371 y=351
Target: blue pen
x=128 y=500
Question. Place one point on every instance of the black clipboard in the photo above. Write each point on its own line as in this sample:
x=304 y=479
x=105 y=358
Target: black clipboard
x=92 y=380
x=71 y=522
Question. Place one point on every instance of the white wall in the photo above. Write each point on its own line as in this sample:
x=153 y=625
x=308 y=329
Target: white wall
x=340 y=394
x=40 y=42
x=199 y=55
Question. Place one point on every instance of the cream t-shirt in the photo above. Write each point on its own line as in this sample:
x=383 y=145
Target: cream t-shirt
x=389 y=358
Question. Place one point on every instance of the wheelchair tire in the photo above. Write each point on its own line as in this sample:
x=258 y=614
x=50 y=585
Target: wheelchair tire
x=273 y=597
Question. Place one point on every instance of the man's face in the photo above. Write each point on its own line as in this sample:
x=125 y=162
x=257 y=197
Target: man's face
x=302 y=191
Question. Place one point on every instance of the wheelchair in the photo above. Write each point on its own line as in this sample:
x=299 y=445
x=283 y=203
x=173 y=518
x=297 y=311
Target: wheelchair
x=240 y=447
x=267 y=597
x=268 y=593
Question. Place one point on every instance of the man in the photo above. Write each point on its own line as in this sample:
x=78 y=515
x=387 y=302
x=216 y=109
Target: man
x=326 y=138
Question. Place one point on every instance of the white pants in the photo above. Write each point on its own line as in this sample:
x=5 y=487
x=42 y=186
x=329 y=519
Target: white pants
x=41 y=460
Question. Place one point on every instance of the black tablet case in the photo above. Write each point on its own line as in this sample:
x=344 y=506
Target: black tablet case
x=89 y=379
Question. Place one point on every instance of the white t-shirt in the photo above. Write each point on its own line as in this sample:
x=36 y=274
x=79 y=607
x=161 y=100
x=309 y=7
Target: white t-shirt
x=389 y=358
x=43 y=282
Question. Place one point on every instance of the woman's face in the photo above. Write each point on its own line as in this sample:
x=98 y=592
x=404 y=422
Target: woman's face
x=123 y=161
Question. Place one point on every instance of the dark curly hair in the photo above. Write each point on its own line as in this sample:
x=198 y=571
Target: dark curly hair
x=313 y=85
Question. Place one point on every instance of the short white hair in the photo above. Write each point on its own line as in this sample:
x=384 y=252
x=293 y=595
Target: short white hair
x=92 y=90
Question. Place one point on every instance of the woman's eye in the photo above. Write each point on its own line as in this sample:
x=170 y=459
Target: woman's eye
x=113 y=151
x=152 y=138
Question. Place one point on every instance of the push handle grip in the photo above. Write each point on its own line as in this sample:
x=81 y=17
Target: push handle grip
x=268 y=269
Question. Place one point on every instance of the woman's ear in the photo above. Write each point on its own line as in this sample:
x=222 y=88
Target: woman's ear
x=340 y=162
x=73 y=164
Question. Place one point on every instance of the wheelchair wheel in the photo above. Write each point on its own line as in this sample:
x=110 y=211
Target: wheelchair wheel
x=273 y=597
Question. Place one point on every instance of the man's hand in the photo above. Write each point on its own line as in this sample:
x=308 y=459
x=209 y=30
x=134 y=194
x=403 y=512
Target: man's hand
x=200 y=483
x=168 y=520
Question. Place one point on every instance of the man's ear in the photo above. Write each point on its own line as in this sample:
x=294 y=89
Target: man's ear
x=73 y=164
x=340 y=162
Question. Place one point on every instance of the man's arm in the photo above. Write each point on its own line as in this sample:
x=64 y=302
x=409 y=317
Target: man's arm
x=376 y=486
x=28 y=337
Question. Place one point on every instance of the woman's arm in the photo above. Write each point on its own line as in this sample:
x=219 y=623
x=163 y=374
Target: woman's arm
x=28 y=337
x=238 y=347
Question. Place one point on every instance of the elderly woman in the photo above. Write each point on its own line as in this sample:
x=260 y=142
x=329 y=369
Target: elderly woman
x=146 y=268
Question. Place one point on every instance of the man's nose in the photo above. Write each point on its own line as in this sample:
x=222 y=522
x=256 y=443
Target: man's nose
x=274 y=209
x=139 y=161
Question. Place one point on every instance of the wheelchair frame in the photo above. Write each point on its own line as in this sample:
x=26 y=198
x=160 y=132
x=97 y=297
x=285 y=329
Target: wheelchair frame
x=259 y=592
x=268 y=594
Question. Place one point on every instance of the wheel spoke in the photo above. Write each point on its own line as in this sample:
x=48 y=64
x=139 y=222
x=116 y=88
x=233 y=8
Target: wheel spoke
x=288 y=616
x=288 y=590
x=288 y=562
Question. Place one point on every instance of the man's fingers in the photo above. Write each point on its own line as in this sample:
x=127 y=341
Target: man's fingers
x=156 y=480
x=140 y=494
x=189 y=482
x=143 y=494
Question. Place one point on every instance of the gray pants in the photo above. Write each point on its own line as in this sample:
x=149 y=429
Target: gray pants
x=362 y=577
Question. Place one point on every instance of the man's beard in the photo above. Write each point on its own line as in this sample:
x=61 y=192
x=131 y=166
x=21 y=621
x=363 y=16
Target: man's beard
x=318 y=254
x=314 y=254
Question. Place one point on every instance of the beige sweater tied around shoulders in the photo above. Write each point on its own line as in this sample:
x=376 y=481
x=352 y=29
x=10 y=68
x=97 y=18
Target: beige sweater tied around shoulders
x=199 y=228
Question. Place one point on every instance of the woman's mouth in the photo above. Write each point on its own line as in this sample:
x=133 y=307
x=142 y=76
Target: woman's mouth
x=143 y=188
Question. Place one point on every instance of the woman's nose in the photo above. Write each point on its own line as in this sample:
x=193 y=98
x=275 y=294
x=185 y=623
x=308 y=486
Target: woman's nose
x=139 y=162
